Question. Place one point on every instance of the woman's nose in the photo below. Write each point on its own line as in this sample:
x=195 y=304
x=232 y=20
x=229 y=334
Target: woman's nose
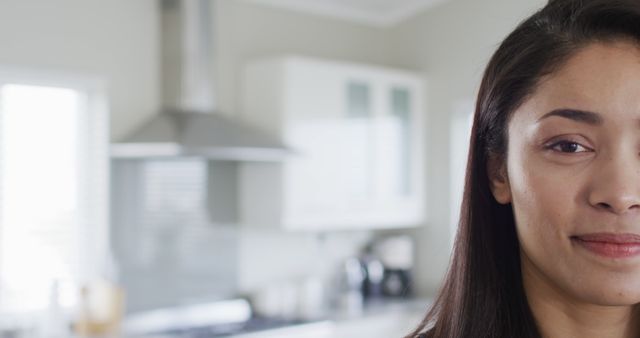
x=616 y=185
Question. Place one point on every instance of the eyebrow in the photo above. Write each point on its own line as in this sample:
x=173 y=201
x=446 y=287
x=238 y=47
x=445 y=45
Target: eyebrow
x=575 y=115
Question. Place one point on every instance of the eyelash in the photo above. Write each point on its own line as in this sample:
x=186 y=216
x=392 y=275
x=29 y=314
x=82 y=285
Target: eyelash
x=553 y=146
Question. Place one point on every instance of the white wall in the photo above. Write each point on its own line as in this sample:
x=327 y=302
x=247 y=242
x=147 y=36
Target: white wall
x=451 y=45
x=248 y=31
x=115 y=40
x=118 y=40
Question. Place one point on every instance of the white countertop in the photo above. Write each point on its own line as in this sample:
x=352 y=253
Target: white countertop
x=383 y=319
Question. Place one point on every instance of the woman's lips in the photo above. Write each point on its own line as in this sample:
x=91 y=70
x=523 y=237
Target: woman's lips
x=609 y=244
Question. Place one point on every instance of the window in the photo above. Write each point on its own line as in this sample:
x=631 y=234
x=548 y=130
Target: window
x=53 y=190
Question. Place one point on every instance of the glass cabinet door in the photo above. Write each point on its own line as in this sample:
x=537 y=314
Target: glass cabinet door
x=358 y=136
x=401 y=113
x=393 y=145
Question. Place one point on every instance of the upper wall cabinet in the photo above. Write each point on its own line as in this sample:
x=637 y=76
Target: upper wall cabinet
x=357 y=135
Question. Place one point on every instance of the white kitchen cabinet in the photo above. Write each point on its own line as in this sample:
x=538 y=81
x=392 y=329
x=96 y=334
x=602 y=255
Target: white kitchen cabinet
x=357 y=132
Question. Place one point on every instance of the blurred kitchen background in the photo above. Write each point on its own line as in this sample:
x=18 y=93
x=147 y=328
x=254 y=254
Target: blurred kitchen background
x=233 y=168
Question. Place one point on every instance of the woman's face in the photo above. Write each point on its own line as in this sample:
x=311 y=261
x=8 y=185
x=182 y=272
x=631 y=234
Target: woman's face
x=573 y=177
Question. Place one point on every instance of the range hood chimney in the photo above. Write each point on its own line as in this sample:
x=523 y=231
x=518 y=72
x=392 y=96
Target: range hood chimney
x=189 y=125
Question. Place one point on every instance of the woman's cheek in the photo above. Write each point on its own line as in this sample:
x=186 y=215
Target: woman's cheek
x=543 y=199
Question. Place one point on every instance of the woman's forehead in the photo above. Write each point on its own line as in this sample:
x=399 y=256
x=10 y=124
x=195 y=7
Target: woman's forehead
x=602 y=77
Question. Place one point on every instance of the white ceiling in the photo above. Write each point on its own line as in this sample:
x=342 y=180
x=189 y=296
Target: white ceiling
x=372 y=12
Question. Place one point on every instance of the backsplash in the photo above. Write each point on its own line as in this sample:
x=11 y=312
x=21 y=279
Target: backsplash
x=175 y=239
x=167 y=249
x=269 y=257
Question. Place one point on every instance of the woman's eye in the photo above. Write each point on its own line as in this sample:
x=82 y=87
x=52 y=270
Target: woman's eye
x=568 y=147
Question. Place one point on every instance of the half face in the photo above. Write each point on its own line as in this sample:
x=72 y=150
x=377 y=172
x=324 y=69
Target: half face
x=573 y=177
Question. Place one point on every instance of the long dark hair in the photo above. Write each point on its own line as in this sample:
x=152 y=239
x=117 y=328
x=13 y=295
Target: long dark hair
x=483 y=294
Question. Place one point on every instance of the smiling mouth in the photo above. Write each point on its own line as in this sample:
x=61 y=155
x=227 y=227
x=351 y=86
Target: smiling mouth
x=610 y=245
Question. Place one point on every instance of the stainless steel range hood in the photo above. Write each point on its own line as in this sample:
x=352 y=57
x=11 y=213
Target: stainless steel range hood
x=183 y=133
x=189 y=125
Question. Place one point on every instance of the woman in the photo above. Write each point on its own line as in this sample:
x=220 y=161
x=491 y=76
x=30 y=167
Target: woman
x=549 y=239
